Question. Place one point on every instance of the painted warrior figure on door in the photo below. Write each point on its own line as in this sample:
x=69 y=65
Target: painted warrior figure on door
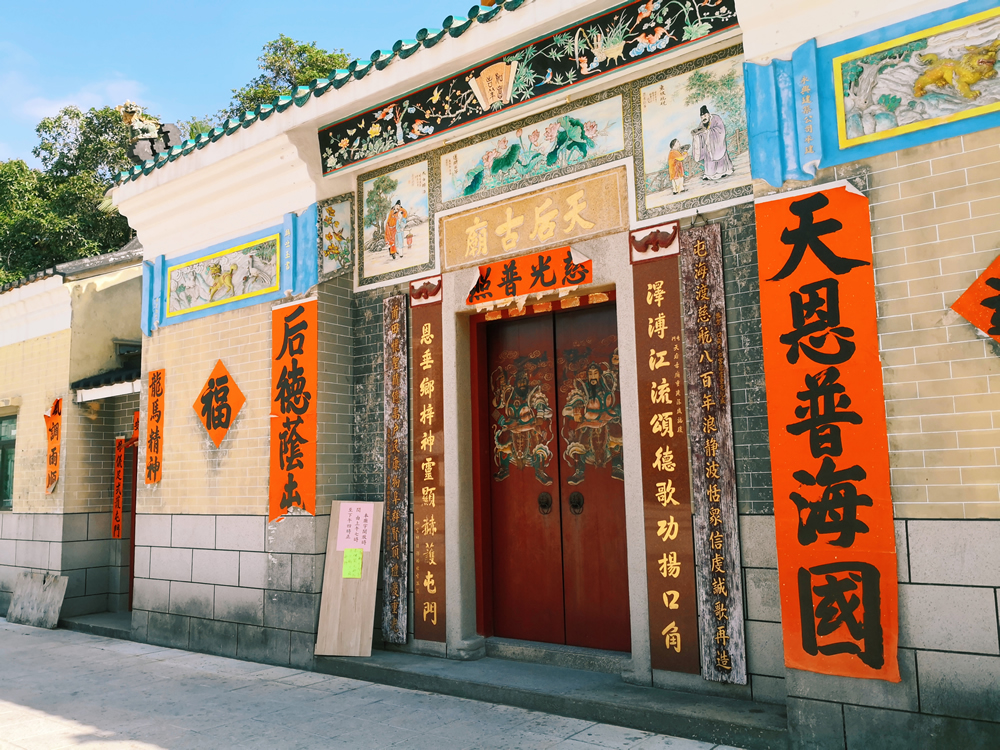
x=523 y=417
x=592 y=415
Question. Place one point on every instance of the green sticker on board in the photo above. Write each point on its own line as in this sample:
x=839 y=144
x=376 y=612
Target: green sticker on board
x=352 y=563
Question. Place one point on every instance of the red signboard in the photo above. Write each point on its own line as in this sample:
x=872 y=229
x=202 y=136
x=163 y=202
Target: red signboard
x=154 y=425
x=218 y=403
x=294 y=376
x=53 y=438
x=536 y=273
x=826 y=418
x=116 y=508
x=980 y=303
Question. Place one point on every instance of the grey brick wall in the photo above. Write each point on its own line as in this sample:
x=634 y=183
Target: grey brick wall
x=230 y=585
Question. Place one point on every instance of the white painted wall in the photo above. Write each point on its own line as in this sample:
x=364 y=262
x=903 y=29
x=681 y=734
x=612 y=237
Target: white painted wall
x=36 y=309
x=774 y=28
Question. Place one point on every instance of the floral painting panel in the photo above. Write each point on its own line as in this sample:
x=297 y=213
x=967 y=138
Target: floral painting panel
x=233 y=274
x=582 y=135
x=694 y=134
x=336 y=218
x=925 y=79
x=396 y=223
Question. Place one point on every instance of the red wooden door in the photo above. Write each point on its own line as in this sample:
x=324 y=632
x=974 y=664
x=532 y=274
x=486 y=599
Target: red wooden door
x=592 y=485
x=557 y=489
x=527 y=545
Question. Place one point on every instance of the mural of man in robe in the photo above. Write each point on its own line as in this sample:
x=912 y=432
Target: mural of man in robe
x=395 y=230
x=710 y=146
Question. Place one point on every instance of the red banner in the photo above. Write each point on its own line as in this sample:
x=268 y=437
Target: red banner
x=826 y=418
x=531 y=274
x=294 y=381
x=154 y=425
x=53 y=437
x=116 y=508
x=980 y=303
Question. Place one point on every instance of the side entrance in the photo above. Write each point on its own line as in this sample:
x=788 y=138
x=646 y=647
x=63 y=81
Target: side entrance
x=555 y=511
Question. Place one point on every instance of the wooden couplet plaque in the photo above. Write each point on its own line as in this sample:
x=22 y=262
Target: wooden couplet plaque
x=428 y=467
x=294 y=388
x=713 y=473
x=397 y=464
x=826 y=419
x=350 y=579
x=666 y=490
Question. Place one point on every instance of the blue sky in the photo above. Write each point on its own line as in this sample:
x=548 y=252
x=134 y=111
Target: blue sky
x=179 y=59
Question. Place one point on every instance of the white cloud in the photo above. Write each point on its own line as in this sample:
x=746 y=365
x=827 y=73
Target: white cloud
x=99 y=94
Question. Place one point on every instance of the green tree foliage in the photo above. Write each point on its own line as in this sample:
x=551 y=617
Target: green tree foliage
x=48 y=218
x=377 y=203
x=285 y=63
x=75 y=142
x=724 y=95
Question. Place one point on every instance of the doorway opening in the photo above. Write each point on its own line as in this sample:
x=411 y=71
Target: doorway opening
x=550 y=494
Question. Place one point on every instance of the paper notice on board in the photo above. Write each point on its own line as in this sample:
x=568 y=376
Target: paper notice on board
x=352 y=563
x=355 y=526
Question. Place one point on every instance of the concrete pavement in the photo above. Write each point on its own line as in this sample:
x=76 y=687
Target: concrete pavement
x=62 y=689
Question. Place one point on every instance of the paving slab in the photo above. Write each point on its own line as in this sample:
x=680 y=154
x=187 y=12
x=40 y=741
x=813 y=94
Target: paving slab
x=71 y=689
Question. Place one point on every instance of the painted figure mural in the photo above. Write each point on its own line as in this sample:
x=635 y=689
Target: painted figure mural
x=694 y=135
x=710 y=147
x=592 y=415
x=395 y=213
x=523 y=427
x=935 y=76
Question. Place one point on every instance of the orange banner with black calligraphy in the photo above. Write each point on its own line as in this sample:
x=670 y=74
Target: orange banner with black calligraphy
x=53 y=439
x=294 y=383
x=666 y=482
x=156 y=388
x=826 y=419
x=119 y=489
x=428 y=470
x=537 y=273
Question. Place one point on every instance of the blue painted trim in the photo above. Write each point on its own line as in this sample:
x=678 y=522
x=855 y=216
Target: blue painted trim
x=159 y=274
x=307 y=249
x=288 y=254
x=146 y=318
x=833 y=154
x=809 y=146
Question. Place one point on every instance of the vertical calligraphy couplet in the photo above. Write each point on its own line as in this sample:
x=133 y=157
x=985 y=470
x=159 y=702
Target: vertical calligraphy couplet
x=119 y=489
x=826 y=418
x=713 y=474
x=394 y=572
x=156 y=388
x=428 y=473
x=666 y=487
x=294 y=389
x=53 y=439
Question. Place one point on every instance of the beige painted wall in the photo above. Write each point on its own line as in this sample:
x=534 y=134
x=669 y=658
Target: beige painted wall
x=106 y=308
x=36 y=371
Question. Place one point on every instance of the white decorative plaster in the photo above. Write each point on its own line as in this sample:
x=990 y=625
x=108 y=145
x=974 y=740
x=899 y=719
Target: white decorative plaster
x=108 y=391
x=36 y=309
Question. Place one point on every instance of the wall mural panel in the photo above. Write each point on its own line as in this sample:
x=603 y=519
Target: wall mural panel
x=397 y=237
x=335 y=224
x=600 y=45
x=694 y=134
x=938 y=75
x=237 y=273
x=549 y=145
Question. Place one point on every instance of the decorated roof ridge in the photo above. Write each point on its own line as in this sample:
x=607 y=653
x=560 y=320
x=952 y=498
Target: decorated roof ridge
x=453 y=26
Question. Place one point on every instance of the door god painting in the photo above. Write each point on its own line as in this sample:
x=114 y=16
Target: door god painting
x=592 y=415
x=522 y=429
x=395 y=217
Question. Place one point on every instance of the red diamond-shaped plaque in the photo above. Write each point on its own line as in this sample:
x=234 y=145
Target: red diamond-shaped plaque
x=980 y=303
x=218 y=403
